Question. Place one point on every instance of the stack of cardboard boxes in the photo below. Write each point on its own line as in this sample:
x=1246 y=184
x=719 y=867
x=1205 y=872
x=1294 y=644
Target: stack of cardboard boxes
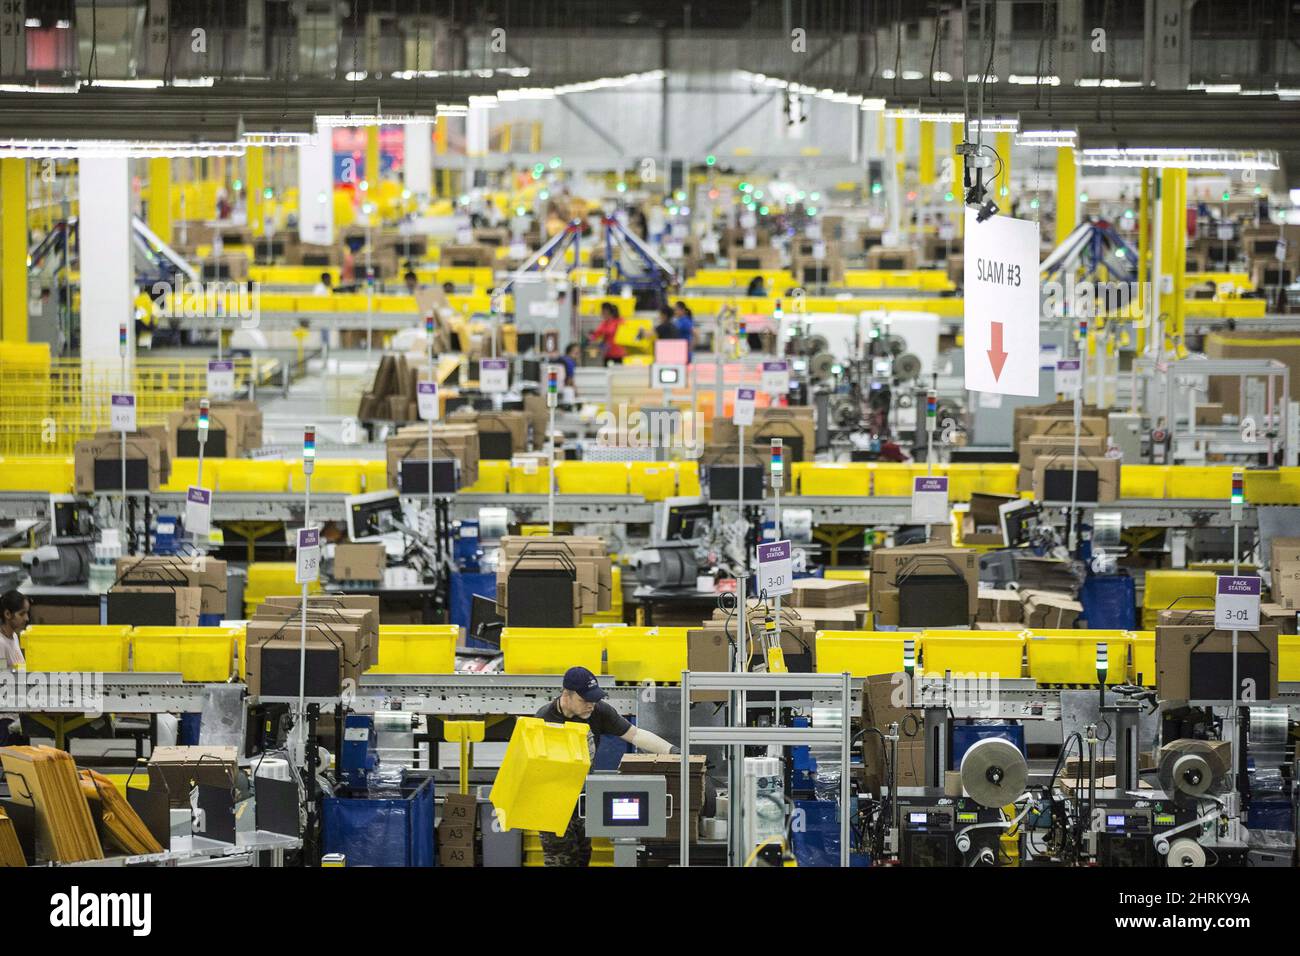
x=708 y=646
x=199 y=582
x=458 y=440
x=1182 y=636
x=456 y=829
x=392 y=394
x=238 y=425
x=586 y=556
x=1284 y=576
x=1044 y=438
x=97 y=461
x=831 y=605
x=513 y=423
x=343 y=630
x=884 y=702
x=362 y=561
x=888 y=564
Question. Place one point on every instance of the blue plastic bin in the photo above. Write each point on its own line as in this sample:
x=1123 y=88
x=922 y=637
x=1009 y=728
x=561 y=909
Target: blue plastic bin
x=382 y=831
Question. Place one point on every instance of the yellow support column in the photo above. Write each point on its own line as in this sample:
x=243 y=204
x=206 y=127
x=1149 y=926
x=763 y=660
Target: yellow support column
x=1067 y=193
x=1173 y=252
x=13 y=250
x=1003 y=145
x=957 y=184
x=160 y=197
x=900 y=154
x=1144 y=251
x=926 y=170
x=372 y=157
x=255 y=179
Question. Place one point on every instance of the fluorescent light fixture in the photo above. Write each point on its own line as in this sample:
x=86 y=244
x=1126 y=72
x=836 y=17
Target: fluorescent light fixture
x=975 y=78
x=274 y=139
x=888 y=73
x=32 y=23
x=372 y=119
x=125 y=84
x=63 y=24
x=1295 y=197
x=453 y=109
x=911 y=112
x=1047 y=137
x=1175 y=158
x=483 y=102
x=73 y=148
x=1110 y=83
x=941 y=76
x=24 y=88
x=996 y=125
x=912 y=74
x=356 y=76
x=872 y=104
x=1215 y=87
x=194 y=81
x=1022 y=80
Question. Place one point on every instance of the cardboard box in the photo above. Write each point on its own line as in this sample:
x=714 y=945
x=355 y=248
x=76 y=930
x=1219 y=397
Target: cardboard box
x=188 y=602
x=588 y=554
x=289 y=643
x=363 y=561
x=205 y=573
x=357 y=629
x=1176 y=645
x=1226 y=389
x=246 y=416
x=884 y=701
x=708 y=650
x=1284 y=619
x=222 y=422
x=1000 y=607
x=458 y=440
x=669 y=767
x=891 y=257
x=109 y=449
x=183 y=767
x=982 y=522
x=1050 y=609
x=1107 y=470
x=46 y=612
x=455 y=854
x=823 y=593
x=454 y=834
x=513 y=423
x=459 y=809
x=1286 y=584
x=931 y=559
x=794 y=425
x=1028 y=420
x=1211 y=414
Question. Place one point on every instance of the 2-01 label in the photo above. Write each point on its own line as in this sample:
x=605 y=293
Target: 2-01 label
x=494 y=375
x=198 y=511
x=775 y=569
x=776 y=378
x=743 y=414
x=1236 y=603
x=426 y=399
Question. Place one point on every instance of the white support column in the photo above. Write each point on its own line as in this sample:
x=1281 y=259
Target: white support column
x=417 y=174
x=316 y=189
x=107 y=273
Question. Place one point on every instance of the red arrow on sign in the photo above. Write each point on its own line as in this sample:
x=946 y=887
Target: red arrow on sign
x=997 y=357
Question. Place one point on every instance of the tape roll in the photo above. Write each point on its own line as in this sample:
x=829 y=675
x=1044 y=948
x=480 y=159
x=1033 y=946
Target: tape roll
x=1268 y=725
x=1185 y=853
x=1192 y=775
x=994 y=772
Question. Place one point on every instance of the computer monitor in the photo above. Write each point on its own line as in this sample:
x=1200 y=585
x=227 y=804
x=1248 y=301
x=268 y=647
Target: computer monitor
x=526 y=342
x=413 y=478
x=495 y=446
x=373 y=514
x=485 y=621
x=531 y=371
x=724 y=482
x=891 y=262
x=684 y=518
x=749 y=262
x=216 y=270
x=627 y=805
x=108 y=474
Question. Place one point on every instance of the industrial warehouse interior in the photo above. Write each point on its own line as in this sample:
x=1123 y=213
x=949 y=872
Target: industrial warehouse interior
x=799 y=434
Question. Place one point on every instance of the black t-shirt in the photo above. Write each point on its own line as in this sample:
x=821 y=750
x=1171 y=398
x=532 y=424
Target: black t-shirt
x=604 y=719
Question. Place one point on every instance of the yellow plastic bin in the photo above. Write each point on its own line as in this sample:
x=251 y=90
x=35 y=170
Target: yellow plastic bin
x=688 y=478
x=1199 y=481
x=374 y=475
x=185 y=472
x=861 y=654
x=837 y=479
x=1288 y=657
x=1279 y=487
x=541 y=775
x=530 y=478
x=339 y=476
x=1069 y=656
x=493 y=474
x=77 y=647
x=988 y=653
x=198 y=653
x=1142 y=669
x=417 y=649
x=591 y=478
x=890 y=480
x=652 y=480
x=645 y=653
x=546 y=650
x=250 y=476
x=985 y=479
x=50 y=473
x=1177 y=590
x=1142 y=481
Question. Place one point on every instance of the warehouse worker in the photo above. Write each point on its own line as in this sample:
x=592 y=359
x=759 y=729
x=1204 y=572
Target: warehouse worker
x=14 y=610
x=685 y=322
x=667 y=327
x=607 y=332
x=582 y=701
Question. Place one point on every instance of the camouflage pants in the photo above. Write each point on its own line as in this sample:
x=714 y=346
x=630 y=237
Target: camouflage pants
x=572 y=849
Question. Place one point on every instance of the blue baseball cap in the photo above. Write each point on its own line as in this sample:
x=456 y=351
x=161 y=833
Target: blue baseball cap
x=583 y=683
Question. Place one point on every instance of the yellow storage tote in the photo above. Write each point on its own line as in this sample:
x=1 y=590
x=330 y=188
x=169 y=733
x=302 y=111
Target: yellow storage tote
x=688 y=478
x=894 y=480
x=645 y=653
x=185 y=472
x=197 y=653
x=1142 y=481
x=50 y=473
x=652 y=480
x=591 y=478
x=1288 y=657
x=541 y=775
x=1142 y=670
x=77 y=647
x=985 y=479
x=990 y=653
x=374 y=475
x=843 y=478
x=1069 y=656
x=492 y=477
x=1180 y=590
x=417 y=649
x=1279 y=487
x=861 y=654
x=550 y=650
x=339 y=476
x=1199 y=481
x=251 y=476
x=530 y=479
